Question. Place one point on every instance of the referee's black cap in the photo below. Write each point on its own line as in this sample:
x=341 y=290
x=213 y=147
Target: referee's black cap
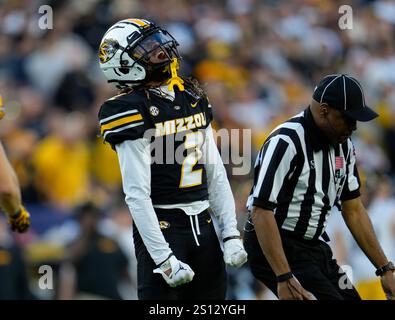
x=344 y=93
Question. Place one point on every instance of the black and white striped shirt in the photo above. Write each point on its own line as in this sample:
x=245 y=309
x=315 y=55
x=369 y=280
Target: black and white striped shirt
x=300 y=176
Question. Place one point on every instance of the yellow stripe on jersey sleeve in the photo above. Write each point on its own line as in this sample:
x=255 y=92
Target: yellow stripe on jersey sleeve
x=119 y=122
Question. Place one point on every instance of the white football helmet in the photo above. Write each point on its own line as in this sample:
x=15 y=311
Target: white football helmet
x=136 y=51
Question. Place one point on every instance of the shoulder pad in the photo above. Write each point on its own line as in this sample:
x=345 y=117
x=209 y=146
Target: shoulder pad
x=121 y=119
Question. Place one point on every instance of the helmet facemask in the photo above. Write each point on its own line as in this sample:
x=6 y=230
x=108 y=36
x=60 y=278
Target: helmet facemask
x=154 y=51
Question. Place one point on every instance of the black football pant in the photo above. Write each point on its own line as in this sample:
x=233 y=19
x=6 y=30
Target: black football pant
x=311 y=262
x=205 y=260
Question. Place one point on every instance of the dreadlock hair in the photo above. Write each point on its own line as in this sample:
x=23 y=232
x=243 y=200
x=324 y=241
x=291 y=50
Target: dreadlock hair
x=195 y=87
x=192 y=84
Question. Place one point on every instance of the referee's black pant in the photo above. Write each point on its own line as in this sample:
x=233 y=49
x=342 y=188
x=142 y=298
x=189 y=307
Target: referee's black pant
x=206 y=260
x=311 y=262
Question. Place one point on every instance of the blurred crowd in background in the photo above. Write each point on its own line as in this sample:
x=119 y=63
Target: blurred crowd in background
x=259 y=62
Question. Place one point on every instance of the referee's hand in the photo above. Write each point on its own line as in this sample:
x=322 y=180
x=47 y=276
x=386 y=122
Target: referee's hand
x=293 y=290
x=388 y=284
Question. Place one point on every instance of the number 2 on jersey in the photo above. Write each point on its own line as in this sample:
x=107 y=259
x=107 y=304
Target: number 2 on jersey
x=190 y=177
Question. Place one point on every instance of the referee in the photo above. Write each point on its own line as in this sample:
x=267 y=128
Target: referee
x=305 y=167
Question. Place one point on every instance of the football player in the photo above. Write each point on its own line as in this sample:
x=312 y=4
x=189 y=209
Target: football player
x=10 y=194
x=159 y=125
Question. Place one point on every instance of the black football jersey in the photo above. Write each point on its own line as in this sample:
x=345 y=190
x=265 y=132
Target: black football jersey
x=175 y=131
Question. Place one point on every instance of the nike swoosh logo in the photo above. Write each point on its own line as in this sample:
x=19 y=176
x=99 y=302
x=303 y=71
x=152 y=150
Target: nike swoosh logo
x=208 y=220
x=180 y=267
x=193 y=105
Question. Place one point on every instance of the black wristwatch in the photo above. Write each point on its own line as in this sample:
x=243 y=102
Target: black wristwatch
x=284 y=277
x=388 y=267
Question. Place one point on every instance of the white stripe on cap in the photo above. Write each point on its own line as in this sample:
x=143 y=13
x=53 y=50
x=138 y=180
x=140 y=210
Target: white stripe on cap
x=363 y=96
x=323 y=93
x=345 y=95
x=331 y=75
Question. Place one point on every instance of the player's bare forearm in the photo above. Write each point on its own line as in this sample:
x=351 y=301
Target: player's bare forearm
x=270 y=240
x=10 y=196
x=358 y=221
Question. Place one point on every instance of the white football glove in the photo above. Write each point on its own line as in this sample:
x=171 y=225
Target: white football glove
x=234 y=253
x=180 y=272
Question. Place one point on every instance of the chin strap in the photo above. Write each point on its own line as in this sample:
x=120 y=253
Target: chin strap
x=175 y=80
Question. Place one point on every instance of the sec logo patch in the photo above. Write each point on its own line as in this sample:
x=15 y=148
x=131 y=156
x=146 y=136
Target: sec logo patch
x=154 y=111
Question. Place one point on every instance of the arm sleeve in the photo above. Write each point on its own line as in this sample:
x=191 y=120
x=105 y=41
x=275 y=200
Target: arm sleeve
x=220 y=194
x=135 y=163
x=277 y=162
x=352 y=182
